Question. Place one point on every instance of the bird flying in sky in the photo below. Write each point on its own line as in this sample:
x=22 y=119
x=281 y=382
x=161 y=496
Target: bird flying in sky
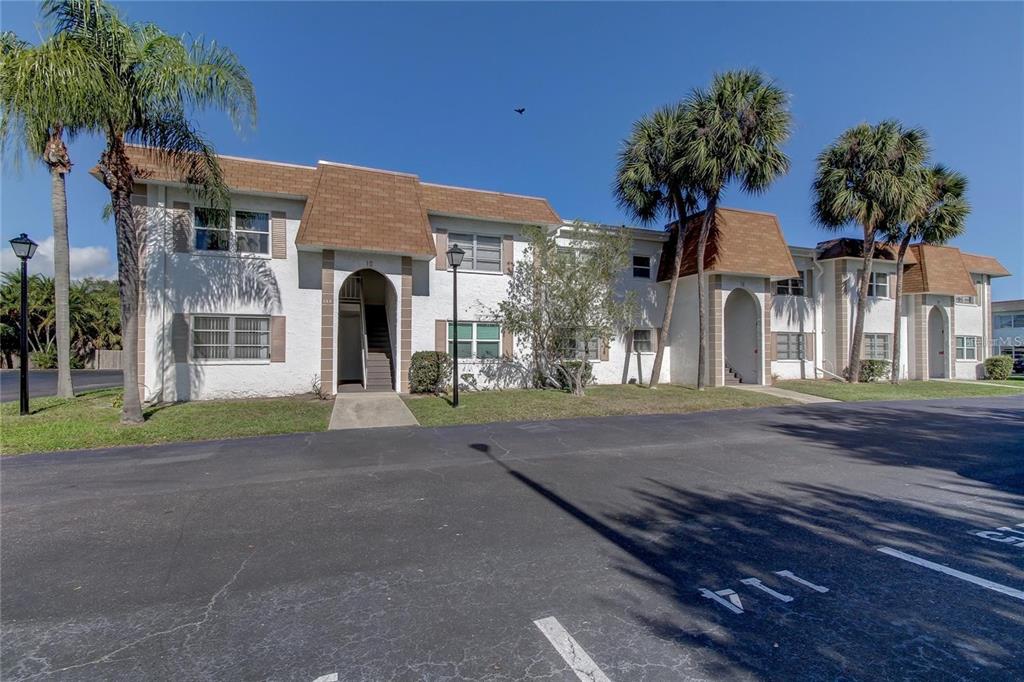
x=520 y=111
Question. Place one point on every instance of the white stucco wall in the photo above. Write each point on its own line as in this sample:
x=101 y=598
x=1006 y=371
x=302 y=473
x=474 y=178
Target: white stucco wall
x=226 y=284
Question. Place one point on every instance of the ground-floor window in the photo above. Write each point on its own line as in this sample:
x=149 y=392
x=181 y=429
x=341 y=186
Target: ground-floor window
x=967 y=347
x=230 y=337
x=642 y=340
x=481 y=340
x=789 y=346
x=579 y=346
x=877 y=346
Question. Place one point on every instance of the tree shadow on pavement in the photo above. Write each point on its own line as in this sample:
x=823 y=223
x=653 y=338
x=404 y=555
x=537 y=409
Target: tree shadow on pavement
x=883 y=618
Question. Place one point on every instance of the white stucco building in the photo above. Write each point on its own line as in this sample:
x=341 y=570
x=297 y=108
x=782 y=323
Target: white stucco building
x=337 y=274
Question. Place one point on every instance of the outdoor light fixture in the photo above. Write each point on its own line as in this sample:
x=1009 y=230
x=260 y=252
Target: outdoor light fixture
x=455 y=256
x=24 y=248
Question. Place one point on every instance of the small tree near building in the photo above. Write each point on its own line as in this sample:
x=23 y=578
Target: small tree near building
x=563 y=299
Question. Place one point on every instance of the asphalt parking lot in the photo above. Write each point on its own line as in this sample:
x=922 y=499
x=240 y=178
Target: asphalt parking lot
x=839 y=541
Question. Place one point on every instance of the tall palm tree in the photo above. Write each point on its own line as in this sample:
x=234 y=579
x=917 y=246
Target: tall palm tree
x=154 y=81
x=734 y=132
x=46 y=91
x=651 y=182
x=870 y=176
x=941 y=218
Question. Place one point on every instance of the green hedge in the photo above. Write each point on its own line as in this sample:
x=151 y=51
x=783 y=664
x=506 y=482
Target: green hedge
x=998 y=367
x=429 y=371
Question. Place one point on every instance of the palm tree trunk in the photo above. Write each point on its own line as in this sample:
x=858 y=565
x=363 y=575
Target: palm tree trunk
x=56 y=158
x=862 y=300
x=117 y=173
x=666 y=324
x=901 y=254
x=702 y=308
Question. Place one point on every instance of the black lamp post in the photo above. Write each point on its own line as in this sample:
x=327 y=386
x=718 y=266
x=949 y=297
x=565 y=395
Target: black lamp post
x=455 y=256
x=24 y=248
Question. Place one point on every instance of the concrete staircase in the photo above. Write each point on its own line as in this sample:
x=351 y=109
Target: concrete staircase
x=731 y=377
x=379 y=362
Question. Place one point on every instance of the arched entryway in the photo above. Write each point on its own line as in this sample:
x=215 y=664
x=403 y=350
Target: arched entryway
x=938 y=344
x=742 y=336
x=367 y=314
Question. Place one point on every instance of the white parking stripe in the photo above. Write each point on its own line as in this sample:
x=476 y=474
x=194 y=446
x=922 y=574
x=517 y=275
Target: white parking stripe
x=988 y=584
x=570 y=650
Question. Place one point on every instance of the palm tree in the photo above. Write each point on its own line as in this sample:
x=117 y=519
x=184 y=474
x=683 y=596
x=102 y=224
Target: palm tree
x=870 y=176
x=650 y=181
x=940 y=219
x=47 y=91
x=734 y=132
x=153 y=81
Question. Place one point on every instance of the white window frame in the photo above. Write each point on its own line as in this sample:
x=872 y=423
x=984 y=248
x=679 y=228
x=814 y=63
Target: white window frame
x=965 y=350
x=231 y=345
x=790 y=287
x=648 y=267
x=800 y=346
x=474 y=340
x=867 y=352
x=232 y=232
x=650 y=340
x=1009 y=320
x=578 y=341
x=874 y=285
x=471 y=261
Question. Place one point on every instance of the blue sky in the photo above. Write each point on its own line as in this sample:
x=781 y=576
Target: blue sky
x=429 y=89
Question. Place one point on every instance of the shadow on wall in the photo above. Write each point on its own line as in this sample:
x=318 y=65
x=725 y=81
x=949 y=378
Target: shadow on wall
x=220 y=284
x=676 y=540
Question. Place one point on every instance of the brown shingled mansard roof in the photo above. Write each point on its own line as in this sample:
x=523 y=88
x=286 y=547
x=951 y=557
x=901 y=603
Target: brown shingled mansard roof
x=743 y=242
x=938 y=270
x=363 y=209
x=928 y=268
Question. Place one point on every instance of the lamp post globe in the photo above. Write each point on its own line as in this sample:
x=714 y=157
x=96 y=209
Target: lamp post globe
x=24 y=248
x=455 y=255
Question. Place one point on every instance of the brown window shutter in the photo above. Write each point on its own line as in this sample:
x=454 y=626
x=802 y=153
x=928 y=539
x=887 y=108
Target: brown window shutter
x=809 y=346
x=278 y=235
x=658 y=339
x=809 y=283
x=441 y=336
x=892 y=285
x=182 y=226
x=508 y=253
x=604 y=350
x=179 y=337
x=507 y=345
x=441 y=242
x=277 y=338
x=769 y=346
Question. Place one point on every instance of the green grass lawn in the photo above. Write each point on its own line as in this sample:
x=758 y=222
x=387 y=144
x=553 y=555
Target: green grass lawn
x=908 y=390
x=528 y=405
x=91 y=421
x=1017 y=382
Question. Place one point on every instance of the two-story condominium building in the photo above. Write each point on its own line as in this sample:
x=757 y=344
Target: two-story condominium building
x=338 y=273
x=1008 y=330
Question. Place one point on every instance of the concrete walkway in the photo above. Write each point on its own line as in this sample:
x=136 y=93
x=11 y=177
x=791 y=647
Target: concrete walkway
x=370 y=410
x=803 y=398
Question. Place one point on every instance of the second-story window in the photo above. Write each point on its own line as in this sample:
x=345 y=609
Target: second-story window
x=483 y=253
x=642 y=267
x=790 y=287
x=244 y=232
x=213 y=230
x=879 y=285
x=252 y=232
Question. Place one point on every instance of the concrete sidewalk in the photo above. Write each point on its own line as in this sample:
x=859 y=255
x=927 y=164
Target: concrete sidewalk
x=370 y=410
x=802 y=398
